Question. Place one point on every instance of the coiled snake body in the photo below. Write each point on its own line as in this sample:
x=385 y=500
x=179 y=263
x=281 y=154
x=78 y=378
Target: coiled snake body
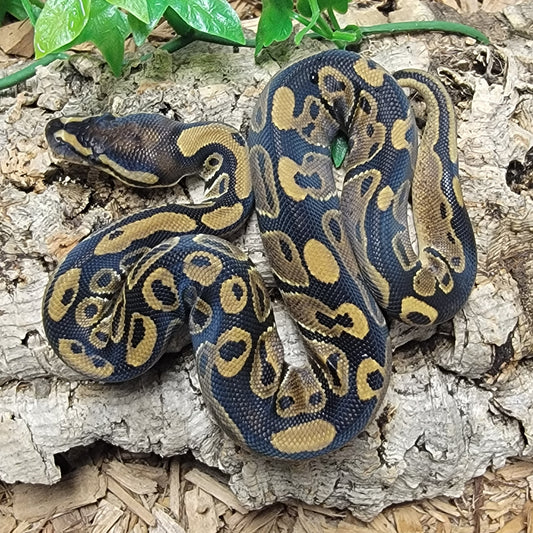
x=120 y=294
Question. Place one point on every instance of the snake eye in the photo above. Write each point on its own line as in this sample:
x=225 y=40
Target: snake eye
x=213 y=162
x=314 y=77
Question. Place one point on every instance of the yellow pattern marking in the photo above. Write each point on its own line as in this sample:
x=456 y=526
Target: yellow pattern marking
x=399 y=133
x=65 y=288
x=285 y=258
x=195 y=138
x=283 y=104
x=74 y=354
x=321 y=262
x=130 y=176
x=306 y=437
x=72 y=141
x=235 y=338
x=385 y=197
x=318 y=165
x=457 y=191
x=139 y=353
x=166 y=279
x=105 y=281
x=202 y=267
x=223 y=217
x=367 y=367
x=372 y=76
x=267 y=364
x=347 y=318
x=300 y=392
x=89 y=311
x=233 y=295
x=122 y=237
x=411 y=304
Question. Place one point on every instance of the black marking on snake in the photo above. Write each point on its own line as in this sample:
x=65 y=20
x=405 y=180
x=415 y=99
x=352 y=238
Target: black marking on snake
x=342 y=320
x=115 y=234
x=201 y=261
x=364 y=104
x=308 y=181
x=115 y=323
x=309 y=129
x=268 y=374
x=443 y=211
x=333 y=84
x=375 y=380
x=104 y=280
x=163 y=293
x=370 y=130
x=199 y=317
x=102 y=336
x=67 y=296
x=286 y=251
x=139 y=332
x=91 y=310
x=239 y=139
x=315 y=398
x=450 y=237
x=333 y=364
x=366 y=184
x=285 y=402
x=336 y=229
x=232 y=350
x=314 y=110
x=76 y=347
x=418 y=318
x=373 y=150
x=237 y=291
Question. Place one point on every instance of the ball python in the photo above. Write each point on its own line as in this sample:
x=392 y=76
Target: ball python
x=342 y=263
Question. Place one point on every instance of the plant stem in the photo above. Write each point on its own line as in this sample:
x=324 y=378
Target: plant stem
x=333 y=19
x=425 y=25
x=29 y=71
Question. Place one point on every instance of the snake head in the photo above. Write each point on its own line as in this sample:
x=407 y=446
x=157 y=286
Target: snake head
x=73 y=139
x=136 y=149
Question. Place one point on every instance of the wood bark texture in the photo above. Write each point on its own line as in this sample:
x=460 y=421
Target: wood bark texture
x=460 y=395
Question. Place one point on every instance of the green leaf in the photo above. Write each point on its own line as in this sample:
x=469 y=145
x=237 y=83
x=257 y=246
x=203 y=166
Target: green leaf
x=340 y=6
x=339 y=149
x=13 y=7
x=141 y=29
x=138 y=8
x=177 y=23
x=60 y=22
x=107 y=28
x=275 y=23
x=30 y=11
x=215 y=17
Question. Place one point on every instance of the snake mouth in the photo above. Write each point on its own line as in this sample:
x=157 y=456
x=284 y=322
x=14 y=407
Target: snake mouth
x=60 y=133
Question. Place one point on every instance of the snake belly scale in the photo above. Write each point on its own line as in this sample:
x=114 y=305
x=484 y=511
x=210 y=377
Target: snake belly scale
x=341 y=263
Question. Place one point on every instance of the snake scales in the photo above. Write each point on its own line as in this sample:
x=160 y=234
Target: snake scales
x=120 y=294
